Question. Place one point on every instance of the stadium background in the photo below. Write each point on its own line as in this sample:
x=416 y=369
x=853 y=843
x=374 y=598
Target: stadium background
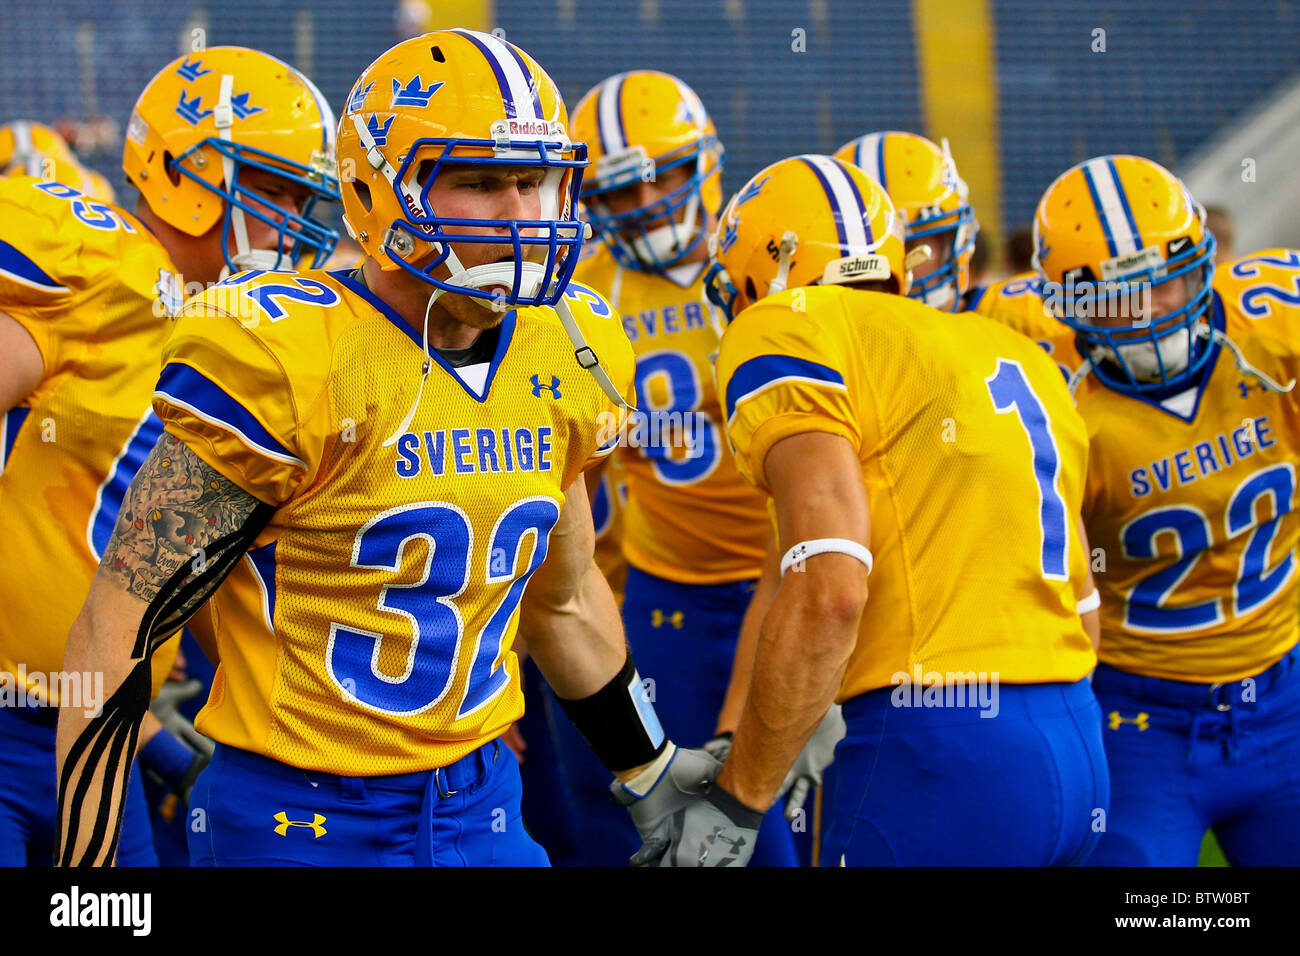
x=1022 y=88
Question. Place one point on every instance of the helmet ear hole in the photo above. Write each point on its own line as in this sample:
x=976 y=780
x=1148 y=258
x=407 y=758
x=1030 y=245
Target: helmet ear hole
x=169 y=165
x=436 y=53
x=363 y=195
x=750 y=292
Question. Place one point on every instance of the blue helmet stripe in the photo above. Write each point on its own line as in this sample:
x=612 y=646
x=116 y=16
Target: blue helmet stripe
x=880 y=162
x=836 y=214
x=1101 y=212
x=1123 y=198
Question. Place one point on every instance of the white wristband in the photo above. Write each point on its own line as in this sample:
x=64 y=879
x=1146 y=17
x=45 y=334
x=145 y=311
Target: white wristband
x=806 y=549
x=1090 y=603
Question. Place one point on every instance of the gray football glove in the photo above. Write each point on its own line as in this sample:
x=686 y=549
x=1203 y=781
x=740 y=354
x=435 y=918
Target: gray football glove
x=682 y=781
x=719 y=746
x=816 y=756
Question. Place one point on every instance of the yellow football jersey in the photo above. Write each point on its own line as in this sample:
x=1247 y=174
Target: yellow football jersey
x=690 y=517
x=607 y=508
x=1017 y=303
x=368 y=628
x=90 y=284
x=973 y=458
x=1191 y=504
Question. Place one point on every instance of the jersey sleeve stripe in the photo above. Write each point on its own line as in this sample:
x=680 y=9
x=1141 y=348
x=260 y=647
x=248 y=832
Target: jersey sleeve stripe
x=16 y=266
x=187 y=388
x=765 y=371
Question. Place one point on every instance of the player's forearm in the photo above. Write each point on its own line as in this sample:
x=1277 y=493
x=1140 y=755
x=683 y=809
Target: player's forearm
x=577 y=643
x=733 y=704
x=95 y=745
x=804 y=646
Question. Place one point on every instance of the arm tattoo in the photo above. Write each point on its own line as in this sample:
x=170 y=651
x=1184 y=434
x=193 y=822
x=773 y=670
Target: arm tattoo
x=176 y=507
x=179 y=533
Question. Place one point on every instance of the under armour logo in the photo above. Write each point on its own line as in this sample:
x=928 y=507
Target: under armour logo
x=554 y=387
x=191 y=71
x=1143 y=720
x=283 y=823
x=658 y=618
x=719 y=835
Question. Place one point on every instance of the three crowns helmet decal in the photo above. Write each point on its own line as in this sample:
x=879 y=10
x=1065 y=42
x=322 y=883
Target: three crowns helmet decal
x=413 y=93
x=191 y=109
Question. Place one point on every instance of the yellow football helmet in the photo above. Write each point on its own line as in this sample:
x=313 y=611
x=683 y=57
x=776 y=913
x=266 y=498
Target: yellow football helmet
x=34 y=149
x=1105 y=232
x=207 y=116
x=460 y=98
x=807 y=220
x=636 y=126
x=921 y=179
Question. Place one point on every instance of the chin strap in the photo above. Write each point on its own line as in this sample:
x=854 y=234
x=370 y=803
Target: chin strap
x=1243 y=366
x=587 y=357
x=1079 y=375
x=789 y=243
x=223 y=116
x=424 y=375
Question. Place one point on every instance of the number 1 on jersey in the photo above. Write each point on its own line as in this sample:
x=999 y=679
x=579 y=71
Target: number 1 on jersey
x=1011 y=393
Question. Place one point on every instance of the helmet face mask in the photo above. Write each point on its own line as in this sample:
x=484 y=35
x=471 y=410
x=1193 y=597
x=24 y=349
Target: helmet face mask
x=301 y=232
x=661 y=234
x=951 y=238
x=545 y=249
x=1152 y=353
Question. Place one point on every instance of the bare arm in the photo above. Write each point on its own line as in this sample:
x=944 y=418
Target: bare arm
x=743 y=664
x=23 y=366
x=812 y=626
x=177 y=528
x=569 y=616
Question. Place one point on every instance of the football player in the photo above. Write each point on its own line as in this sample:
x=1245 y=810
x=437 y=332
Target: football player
x=949 y=457
x=694 y=531
x=384 y=467
x=229 y=148
x=1187 y=392
x=33 y=149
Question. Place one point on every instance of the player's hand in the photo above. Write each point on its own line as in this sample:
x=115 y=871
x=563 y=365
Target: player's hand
x=179 y=775
x=712 y=829
x=816 y=756
x=683 y=779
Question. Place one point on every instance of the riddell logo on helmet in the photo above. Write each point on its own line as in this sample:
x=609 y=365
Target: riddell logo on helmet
x=416 y=212
x=518 y=127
